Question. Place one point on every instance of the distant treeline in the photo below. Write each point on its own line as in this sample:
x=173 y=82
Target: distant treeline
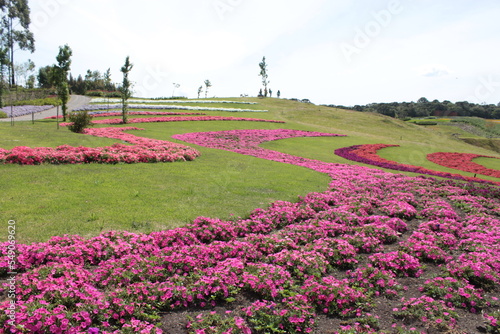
x=94 y=81
x=426 y=108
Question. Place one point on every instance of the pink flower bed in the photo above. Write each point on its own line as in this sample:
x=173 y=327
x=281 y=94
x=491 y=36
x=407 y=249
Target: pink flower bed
x=143 y=150
x=287 y=262
x=463 y=161
x=135 y=113
x=367 y=154
x=177 y=119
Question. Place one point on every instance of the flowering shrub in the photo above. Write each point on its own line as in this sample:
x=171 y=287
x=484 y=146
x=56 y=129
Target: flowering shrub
x=476 y=270
x=301 y=263
x=292 y=315
x=400 y=263
x=213 y=323
x=455 y=293
x=433 y=313
x=492 y=322
x=376 y=281
x=462 y=161
x=335 y=297
x=267 y=280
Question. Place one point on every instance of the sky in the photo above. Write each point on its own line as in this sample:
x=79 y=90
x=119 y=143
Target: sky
x=342 y=52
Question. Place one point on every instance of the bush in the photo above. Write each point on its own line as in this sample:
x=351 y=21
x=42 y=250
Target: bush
x=3 y=115
x=425 y=123
x=54 y=101
x=80 y=121
x=102 y=93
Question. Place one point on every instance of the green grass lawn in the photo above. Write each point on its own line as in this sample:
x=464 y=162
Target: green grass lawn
x=488 y=162
x=52 y=200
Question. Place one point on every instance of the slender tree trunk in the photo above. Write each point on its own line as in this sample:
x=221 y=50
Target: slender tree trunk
x=11 y=46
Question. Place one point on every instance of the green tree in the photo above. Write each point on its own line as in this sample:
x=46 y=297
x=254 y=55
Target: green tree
x=108 y=85
x=200 y=89
x=125 y=88
x=15 y=31
x=24 y=71
x=45 y=76
x=208 y=84
x=61 y=76
x=263 y=74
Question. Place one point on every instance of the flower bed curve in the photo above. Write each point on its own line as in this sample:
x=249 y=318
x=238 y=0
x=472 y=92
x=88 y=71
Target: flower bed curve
x=142 y=150
x=246 y=268
x=367 y=154
x=463 y=162
x=177 y=119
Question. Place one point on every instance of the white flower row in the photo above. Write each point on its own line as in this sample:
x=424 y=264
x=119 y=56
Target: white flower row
x=90 y=107
x=116 y=100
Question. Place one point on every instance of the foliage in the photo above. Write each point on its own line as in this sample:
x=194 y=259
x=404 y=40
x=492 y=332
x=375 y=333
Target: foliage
x=101 y=93
x=214 y=323
x=53 y=101
x=492 y=322
x=433 y=313
x=263 y=74
x=125 y=88
x=3 y=115
x=425 y=123
x=208 y=84
x=15 y=15
x=46 y=77
x=80 y=121
x=61 y=76
x=425 y=108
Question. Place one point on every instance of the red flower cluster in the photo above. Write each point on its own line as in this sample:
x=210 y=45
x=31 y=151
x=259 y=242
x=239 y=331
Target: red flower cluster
x=144 y=150
x=463 y=162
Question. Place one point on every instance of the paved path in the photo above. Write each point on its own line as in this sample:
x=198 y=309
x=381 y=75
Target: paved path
x=74 y=102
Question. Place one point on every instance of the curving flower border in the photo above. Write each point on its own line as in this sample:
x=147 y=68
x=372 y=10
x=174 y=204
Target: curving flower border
x=121 y=281
x=153 y=101
x=367 y=154
x=136 y=113
x=24 y=110
x=177 y=119
x=91 y=107
x=143 y=150
x=463 y=162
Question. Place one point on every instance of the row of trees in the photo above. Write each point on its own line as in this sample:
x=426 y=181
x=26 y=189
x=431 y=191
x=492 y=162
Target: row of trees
x=15 y=35
x=93 y=80
x=58 y=76
x=426 y=108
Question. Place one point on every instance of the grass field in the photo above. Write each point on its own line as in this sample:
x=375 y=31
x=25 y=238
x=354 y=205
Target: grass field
x=52 y=200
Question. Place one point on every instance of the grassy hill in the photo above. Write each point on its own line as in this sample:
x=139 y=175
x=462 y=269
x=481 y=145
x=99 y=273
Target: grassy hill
x=51 y=200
